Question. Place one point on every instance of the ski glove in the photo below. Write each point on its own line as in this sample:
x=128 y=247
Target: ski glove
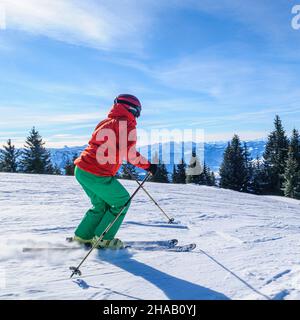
x=152 y=169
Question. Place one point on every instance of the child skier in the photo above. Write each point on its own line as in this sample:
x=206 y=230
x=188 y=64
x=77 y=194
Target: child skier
x=113 y=141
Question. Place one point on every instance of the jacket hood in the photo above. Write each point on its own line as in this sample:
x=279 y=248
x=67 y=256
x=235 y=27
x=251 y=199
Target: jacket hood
x=118 y=111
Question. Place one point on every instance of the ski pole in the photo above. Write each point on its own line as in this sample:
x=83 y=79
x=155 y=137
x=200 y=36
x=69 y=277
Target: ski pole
x=76 y=269
x=171 y=220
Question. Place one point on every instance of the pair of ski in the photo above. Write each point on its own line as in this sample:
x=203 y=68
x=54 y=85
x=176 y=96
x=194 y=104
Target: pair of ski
x=167 y=245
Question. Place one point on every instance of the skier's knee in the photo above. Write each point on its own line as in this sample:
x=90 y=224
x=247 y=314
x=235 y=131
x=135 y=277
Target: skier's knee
x=127 y=200
x=123 y=206
x=126 y=204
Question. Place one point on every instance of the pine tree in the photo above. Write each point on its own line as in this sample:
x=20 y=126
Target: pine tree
x=194 y=170
x=36 y=159
x=161 y=174
x=9 y=158
x=291 y=185
x=275 y=157
x=255 y=184
x=198 y=174
x=125 y=174
x=212 y=179
x=70 y=166
x=249 y=169
x=56 y=170
x=179 y=173
x=233 y=170
x=174 y=174
x=295 y=147
x=207 y=177
x=226 y=170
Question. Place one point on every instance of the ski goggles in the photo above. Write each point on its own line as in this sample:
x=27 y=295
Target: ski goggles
x=134 y=109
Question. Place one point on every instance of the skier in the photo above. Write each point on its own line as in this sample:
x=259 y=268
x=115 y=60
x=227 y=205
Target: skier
x=113 y=141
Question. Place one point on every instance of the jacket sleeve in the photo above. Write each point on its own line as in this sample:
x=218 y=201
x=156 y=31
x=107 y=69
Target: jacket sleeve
x=133 y=156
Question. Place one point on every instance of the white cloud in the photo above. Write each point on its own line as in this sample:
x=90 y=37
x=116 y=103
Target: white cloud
x=232 y=83
x=58 y=141
x=244 y=135
x=99 y=24
x=2 y=17
x=51 y=142
x=41 y=119
x=97 y=89
x=125 y=24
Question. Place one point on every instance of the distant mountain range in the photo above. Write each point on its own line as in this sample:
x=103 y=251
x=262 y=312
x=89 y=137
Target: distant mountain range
x=213 y=152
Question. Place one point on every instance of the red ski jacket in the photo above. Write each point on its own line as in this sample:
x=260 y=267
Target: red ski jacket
x=113 y=141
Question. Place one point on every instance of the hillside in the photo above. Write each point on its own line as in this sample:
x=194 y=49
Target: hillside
x=247 y=245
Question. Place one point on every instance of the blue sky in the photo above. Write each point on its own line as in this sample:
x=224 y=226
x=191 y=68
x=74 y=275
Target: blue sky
x=223 y=66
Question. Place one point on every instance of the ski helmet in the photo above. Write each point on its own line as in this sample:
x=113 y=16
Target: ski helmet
x=131 y=103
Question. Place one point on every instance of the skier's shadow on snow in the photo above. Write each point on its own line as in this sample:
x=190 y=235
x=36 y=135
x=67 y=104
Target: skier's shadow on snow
x=174 y=288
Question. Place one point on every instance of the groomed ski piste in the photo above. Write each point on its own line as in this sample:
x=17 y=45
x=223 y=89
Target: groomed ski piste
x=248 y=246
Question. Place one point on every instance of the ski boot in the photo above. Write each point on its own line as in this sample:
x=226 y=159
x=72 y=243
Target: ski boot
x=82 y=241
x=113 y=244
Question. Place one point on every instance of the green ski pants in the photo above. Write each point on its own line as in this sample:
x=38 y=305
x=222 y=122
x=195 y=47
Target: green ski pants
x=107 y=196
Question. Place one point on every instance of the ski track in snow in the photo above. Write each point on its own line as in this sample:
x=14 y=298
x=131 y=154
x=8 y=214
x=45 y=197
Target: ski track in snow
x=247 y=246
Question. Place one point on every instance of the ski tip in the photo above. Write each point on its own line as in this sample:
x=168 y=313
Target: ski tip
x=184 y=248
x=173 y=242
x=192 y=246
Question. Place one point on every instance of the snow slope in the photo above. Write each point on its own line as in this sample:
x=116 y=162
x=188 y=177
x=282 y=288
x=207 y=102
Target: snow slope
x=247 y=246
